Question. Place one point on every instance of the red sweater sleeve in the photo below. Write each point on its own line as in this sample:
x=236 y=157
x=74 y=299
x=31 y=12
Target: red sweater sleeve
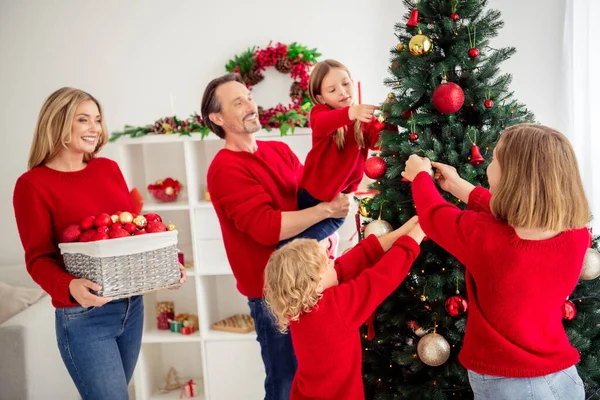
x=479 y=200
x=324 y=120
x=364 y=255
x=357 y=299
x=246 y=202
x=444 y=223
x=34 y=223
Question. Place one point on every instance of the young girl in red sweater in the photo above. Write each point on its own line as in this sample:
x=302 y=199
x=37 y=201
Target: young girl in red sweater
x=522 y=243
x=323 y=303
x=342 y=134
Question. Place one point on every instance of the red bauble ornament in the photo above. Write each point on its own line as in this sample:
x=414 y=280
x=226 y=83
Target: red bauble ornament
x=102 y=220
x=414 y=18
x=407 y=114
x=88 y=235
x=454 y=16
x=130 y=227
x=489 y=103
x=456 y=305
x=413 y=136
x=118 y=233
x=375 y=167
x=378 y=126
x=99 y=236
x=476 y=158
x=87 y=222
x=568 y=310
x=448 y=98
x=474 y=52
x=156 y=226
x=72 y=233
x=151 y=217
x=104 y=229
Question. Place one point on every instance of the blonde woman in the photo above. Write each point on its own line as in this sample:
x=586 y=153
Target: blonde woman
x=323 y=303
x=99 y=339
x=522 y=243
x=342 y=134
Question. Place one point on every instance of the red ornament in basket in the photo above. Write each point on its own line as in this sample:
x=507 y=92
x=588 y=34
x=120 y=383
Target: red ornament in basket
x=165 y=190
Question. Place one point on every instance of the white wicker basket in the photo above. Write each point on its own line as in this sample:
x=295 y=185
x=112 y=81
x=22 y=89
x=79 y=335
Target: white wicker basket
x=126 y=266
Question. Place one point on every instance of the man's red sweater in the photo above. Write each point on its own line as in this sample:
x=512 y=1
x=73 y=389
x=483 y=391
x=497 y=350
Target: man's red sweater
x=515 y=287
x=327 y=339
x=327 y=170
x=46 y=201
x=249 y=191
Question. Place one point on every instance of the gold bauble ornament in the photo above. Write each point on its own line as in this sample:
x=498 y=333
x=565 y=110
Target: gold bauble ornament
x=433 y=349
x=400 y=46
x=169 y=190
x=420 y=45
x=363 y=207
x=140 y=221
x=114 y=218
x=378 y=228
x=171 y=227
x=591 y=265
x=125 y=217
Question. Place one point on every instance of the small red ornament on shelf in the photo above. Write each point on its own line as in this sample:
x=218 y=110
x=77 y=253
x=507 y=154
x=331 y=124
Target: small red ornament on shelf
x=165 y=190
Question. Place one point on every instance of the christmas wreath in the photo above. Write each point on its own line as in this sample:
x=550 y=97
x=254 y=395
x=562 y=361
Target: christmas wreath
x=293 y=59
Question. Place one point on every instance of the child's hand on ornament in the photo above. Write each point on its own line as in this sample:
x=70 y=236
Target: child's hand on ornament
x=415 y=165
x=183 y=277
x=362 y=112
x=80 y=290
x=446 y=176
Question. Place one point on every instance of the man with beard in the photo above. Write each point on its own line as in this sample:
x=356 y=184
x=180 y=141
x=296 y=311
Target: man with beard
x=253 y=186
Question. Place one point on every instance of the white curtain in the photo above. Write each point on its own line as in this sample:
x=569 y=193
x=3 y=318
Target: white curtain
x=582 y=79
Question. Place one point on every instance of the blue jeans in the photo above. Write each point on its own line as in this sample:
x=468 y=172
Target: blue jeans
x=320 y=230
x=276 y=350
x=100 y=346
x=562 y=385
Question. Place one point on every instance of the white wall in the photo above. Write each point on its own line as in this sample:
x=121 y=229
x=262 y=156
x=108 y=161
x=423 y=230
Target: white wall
x=134 y=55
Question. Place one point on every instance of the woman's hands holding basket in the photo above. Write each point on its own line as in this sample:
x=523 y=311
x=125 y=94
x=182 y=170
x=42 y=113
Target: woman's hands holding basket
x=80 y=290
x=183 y=277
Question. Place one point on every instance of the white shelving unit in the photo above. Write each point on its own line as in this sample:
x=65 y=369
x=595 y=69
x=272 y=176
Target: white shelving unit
x=225 y=366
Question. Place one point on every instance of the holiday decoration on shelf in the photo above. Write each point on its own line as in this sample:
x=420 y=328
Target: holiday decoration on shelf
x=473 y=51
x=420 y=45
x=293 y=59
x=433 y=349
x=165 y=126
x=172 y=381
x=165 y=311
x=165 y=190
x=591 y=265
x=375 y=167
x=105 y=226
x=448 y=97
x=188 y=390
x=476 y=158
x=239 y=323
x=568 y=310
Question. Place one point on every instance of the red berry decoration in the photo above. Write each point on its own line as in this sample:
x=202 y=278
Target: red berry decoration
x=568 y=310
x=413 y=136
x=375 y=167
x=456 y=305
x=448 y=97
x=489 y=103
x=474 y=52
x=87 y=222
x=165 y=190
x=454 y=17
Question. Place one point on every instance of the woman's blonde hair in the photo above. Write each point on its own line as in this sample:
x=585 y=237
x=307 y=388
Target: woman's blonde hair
x=315 y=82
x=292 y=277
x=540 y=186
x=53 y=129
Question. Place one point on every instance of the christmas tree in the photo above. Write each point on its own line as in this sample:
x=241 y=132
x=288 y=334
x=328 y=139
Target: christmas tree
x=448 y=102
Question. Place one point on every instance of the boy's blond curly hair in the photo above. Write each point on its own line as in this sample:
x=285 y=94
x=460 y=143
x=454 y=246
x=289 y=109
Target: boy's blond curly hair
x=292 y=277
